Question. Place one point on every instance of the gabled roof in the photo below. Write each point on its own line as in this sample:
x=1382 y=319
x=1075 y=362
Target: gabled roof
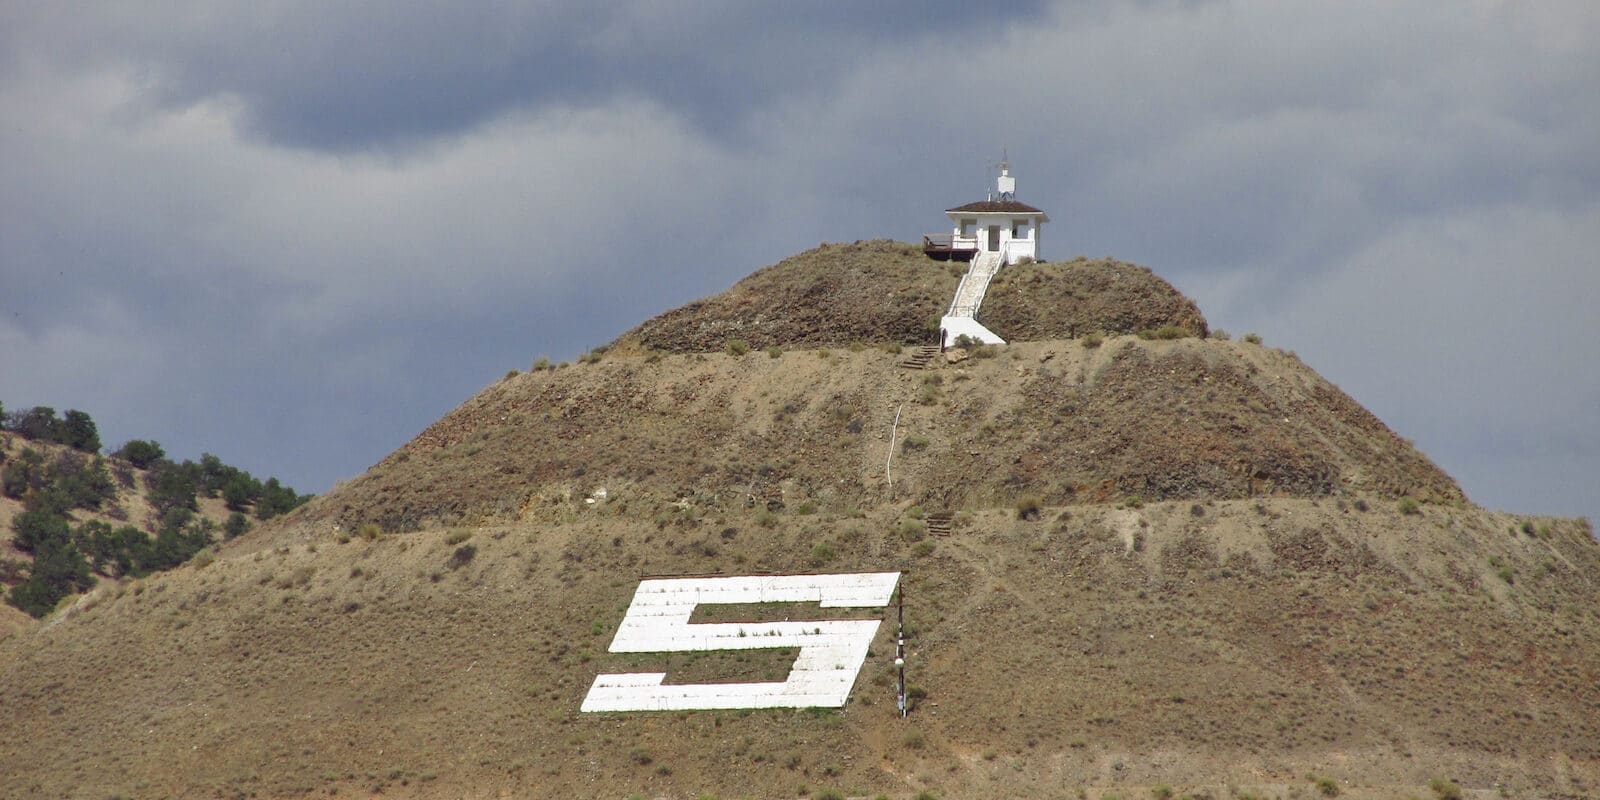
x=994 y=207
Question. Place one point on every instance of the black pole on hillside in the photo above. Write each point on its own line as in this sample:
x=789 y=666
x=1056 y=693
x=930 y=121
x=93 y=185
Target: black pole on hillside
x=900 y=649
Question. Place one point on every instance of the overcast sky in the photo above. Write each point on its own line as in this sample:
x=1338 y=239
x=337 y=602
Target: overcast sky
x=293 y=234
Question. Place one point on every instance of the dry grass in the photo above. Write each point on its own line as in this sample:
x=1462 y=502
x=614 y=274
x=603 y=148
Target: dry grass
x=1176 y=564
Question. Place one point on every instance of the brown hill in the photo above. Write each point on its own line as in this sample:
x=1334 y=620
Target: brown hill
x=1236 y=583
x=1153 y=420
x=883 y=291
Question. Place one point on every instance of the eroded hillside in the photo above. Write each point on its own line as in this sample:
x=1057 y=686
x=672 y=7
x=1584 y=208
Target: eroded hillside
x=1152 y=420
x=1234 y=645
x=1131 y=567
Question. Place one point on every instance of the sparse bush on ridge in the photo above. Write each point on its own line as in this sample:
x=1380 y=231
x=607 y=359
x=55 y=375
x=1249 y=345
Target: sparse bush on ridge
x=1253 y=338
x=76 y=430
x=1166 y=332
x=141 y=453
x=1408 y=505
x=1092 y=340
x=737 y=347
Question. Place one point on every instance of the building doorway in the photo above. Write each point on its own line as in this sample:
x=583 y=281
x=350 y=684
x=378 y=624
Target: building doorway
x=994 y=238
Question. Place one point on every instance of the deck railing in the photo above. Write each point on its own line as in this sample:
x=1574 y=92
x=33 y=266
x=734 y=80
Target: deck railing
x=948 y=241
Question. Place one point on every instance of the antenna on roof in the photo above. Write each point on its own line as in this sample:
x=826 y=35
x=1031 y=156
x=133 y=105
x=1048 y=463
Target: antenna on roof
x=1005 y=183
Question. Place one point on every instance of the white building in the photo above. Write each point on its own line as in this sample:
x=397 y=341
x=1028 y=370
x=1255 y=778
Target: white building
x=1000 y=224
x=989 y=234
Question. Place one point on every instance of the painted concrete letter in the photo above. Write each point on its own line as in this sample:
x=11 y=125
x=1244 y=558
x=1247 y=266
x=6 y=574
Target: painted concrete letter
x=831 y=651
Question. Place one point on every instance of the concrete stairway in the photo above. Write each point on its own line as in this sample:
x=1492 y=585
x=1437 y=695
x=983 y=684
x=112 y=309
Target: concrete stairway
x=961 y=318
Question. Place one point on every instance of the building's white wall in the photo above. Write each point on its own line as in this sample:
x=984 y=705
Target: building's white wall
x=1027 y=246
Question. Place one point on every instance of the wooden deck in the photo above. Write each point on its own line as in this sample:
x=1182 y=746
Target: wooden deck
x=943 y=247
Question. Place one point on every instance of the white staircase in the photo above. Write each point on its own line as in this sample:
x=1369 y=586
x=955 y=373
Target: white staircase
x=960 y=319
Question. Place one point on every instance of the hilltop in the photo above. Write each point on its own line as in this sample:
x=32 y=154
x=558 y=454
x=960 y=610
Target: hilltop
x=882 y=291
x=1131 y=565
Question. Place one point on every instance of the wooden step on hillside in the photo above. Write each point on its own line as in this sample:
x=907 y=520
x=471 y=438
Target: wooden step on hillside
x=939 y=523
x=920 y=358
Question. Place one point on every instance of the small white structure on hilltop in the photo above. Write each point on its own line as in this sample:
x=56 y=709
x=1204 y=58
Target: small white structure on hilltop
x=1001 y=224
x=990 y=234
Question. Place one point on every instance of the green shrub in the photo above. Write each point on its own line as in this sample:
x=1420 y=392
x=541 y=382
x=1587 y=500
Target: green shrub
x=1445 y=789
x=914 y=442
x=1092 y=340
x=1166 y=332
x=204 y=558
x=1028 y=508
x=911 y=530
x=1408 y=505
x=1253 y=338
x=1220 y=335
x=141 y=453
x=822 y=554
x=914 y=739
x=922 y=549
x=372 y=532
x=236 y=525
x=1161 y=792
x=766 y=519
x=541 y=364
x=774 y=352
x=737 y=347
x=1328 y=786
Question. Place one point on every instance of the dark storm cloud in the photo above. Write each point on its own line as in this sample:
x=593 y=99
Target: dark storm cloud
x=295 y=234
x=348 y=76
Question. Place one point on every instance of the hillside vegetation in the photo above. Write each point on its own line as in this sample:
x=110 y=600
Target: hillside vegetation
x=1132 y=567
x=70 y=516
